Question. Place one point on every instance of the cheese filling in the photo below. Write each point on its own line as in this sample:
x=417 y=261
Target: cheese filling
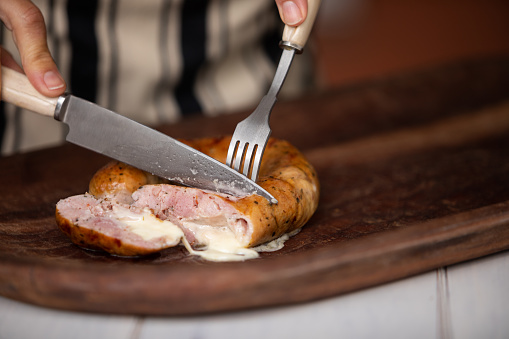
x=219 y=242
x=147 y=225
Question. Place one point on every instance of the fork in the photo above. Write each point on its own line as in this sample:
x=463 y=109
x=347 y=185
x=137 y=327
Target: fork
x=251 y=135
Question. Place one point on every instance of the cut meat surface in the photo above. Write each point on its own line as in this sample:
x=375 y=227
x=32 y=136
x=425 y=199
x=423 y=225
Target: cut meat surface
x=194 y=209
x=114 y=227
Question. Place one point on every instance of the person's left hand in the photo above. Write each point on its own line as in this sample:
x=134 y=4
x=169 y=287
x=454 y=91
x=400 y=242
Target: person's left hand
x=26 y=22
x=292 y=12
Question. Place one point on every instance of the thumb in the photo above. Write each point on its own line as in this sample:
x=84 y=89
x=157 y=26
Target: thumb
x=292 y=12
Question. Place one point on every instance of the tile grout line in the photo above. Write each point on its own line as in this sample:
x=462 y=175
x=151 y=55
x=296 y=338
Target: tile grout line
x=444 y=327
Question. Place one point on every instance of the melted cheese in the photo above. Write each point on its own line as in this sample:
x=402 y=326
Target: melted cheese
x=276 y=244
x=221 y=244
x=147 y=225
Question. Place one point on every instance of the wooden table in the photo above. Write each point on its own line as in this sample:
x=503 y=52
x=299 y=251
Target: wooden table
x=414 y=178
x=467 y=301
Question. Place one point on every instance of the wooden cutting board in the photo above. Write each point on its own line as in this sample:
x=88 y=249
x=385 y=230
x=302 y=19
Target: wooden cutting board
x=413 y=172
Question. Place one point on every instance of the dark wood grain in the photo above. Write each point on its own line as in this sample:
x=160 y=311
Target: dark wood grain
x=414 y=177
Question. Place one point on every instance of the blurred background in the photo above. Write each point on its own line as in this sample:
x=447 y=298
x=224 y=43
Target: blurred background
x=354 y=41
x=361 y=40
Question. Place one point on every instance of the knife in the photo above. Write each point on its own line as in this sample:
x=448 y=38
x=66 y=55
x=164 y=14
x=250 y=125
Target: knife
x=106 y=132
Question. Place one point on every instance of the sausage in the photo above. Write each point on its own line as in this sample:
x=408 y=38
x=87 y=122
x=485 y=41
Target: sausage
x=284 y=172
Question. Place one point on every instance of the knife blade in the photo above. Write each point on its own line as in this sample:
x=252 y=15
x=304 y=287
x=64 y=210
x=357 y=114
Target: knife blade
x=109 y=133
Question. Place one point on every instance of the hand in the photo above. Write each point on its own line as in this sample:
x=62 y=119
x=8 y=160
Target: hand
x=26 y=22
x=292 y=12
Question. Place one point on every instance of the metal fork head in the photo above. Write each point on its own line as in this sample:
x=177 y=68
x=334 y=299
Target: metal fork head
x=250 y=139
x=245 y=154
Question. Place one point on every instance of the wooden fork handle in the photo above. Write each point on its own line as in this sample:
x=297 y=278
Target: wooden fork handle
x=296 y=37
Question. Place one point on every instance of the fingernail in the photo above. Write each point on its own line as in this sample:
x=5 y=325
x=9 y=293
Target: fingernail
x=53 y=80
x=291 y=13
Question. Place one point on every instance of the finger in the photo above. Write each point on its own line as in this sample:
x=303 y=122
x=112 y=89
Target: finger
x=26 y=22
x=7 y=60
x=292 y=12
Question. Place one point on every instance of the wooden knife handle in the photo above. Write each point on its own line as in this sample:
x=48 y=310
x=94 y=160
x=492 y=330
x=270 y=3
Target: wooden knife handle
x=17 y=90
x=298 y=36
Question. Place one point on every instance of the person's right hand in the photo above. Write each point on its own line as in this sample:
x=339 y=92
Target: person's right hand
x=26 y=22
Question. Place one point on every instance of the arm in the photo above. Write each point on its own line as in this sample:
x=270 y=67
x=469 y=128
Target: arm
x=26 y=22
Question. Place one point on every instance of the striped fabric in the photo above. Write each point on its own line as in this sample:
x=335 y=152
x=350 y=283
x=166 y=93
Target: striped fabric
x=155 y=61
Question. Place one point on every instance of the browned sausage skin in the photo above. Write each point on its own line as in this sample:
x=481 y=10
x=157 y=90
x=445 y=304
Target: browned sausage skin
x=119 y=180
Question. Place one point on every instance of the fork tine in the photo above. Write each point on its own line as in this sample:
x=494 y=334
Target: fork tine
x=249 y=157
x=239 y=156
x=257 y=162
x=234 y=144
